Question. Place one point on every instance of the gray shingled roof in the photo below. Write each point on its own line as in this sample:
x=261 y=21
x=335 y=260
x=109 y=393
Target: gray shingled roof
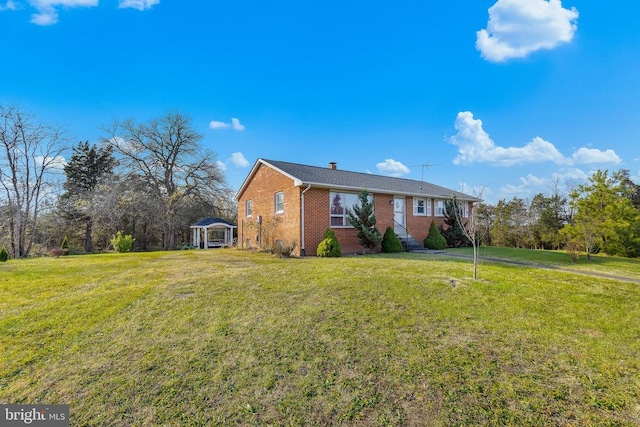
x=342 y=179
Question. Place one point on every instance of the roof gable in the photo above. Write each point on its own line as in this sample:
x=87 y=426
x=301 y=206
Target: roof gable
x=207 y=222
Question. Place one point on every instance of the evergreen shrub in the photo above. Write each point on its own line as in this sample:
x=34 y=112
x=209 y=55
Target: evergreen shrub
x=390 y=242
x=122 y=243
x=434 y=239
x=329 y=246
x=4 y=255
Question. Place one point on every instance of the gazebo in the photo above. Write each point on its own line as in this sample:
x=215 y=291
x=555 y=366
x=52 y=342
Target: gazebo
x=212 y=233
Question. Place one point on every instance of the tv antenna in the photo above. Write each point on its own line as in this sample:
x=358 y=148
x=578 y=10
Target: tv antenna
x=423 y=166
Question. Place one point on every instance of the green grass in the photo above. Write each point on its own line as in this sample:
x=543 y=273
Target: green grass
x=624 y=267
x=223 y=337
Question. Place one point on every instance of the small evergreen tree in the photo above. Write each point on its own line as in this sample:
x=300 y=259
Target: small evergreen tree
x=65 y=246
x=434 y=239
x=454 y=234
x=329 y=246
x=362 y=218
x=390 y=242
x=122 y=243
x=4 y=255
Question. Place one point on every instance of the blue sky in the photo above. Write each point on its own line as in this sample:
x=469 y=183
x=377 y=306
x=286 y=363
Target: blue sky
x=505 y=95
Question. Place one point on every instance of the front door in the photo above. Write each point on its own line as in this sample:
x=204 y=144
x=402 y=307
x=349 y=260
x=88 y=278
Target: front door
x=399 y=216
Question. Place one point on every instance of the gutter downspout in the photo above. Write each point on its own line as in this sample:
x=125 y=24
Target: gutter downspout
x=302 y=249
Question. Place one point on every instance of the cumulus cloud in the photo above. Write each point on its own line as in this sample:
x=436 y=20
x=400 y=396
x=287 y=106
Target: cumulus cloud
x=392 y=168
x=476 y=146
x=221 y=165
x=235 y=125
x=593 y=155
x=239 y=160
x=517 y=28
x=137 y=4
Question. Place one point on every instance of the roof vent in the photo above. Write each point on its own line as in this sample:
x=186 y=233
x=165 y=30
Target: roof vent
x=333 y=165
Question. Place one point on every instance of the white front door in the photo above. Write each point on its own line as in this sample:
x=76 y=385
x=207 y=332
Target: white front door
x=399 y=216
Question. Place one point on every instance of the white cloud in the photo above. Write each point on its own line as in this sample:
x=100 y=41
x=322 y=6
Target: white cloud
x=137 y=4
x=570 y=174
x=235 y=125
x=239 y=160
x=56 y=163
x=215 y=124
x=510 y=191
x=47 y=13
x=593 y=155
x=534 y=181
x=221 y=165
x=47 y=10
x=476 y=146
x=517 y=28
x=392 y=167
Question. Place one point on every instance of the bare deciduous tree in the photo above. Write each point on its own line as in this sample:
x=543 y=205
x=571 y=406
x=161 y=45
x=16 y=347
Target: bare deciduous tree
x=30 y=154
x=165 y=152
x=472 y=230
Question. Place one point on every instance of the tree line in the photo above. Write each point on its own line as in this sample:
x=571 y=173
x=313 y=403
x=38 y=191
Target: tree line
x=151 y=180
x=601 y=215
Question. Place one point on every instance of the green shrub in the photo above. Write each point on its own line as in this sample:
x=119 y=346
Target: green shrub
x=329 y=246
x=434 y=239
x=390 y=242
x=65 y=246
x=4 y=255
x=122 y=243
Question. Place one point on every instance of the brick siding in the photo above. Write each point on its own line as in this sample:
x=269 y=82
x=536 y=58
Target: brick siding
x=286 y=226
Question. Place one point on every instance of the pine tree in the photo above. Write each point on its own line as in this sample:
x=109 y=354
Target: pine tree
x=362 y=218
x=454 y=233
x=87 y=168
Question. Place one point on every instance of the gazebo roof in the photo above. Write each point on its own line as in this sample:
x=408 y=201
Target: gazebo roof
x=209 y=222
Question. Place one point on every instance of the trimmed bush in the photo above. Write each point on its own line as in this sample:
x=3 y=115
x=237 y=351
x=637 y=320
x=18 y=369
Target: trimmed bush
x=4 y=255
x=329 y=246
x=122 y=243
x=434 y=239
x=390 y=242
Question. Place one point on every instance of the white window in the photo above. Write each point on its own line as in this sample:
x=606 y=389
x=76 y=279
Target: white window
x=440 y=208
x=279 y=202
x=249 y=208
x=421 y=207
x=340 y=204
x=465 y=209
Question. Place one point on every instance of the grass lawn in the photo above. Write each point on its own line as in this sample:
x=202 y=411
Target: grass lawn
x=600 y=263
x=223 y=337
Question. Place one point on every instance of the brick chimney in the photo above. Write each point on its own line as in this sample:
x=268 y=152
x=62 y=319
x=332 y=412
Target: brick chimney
x=333 y=165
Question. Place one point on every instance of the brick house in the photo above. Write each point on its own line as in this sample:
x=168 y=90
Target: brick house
x=290 y=202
